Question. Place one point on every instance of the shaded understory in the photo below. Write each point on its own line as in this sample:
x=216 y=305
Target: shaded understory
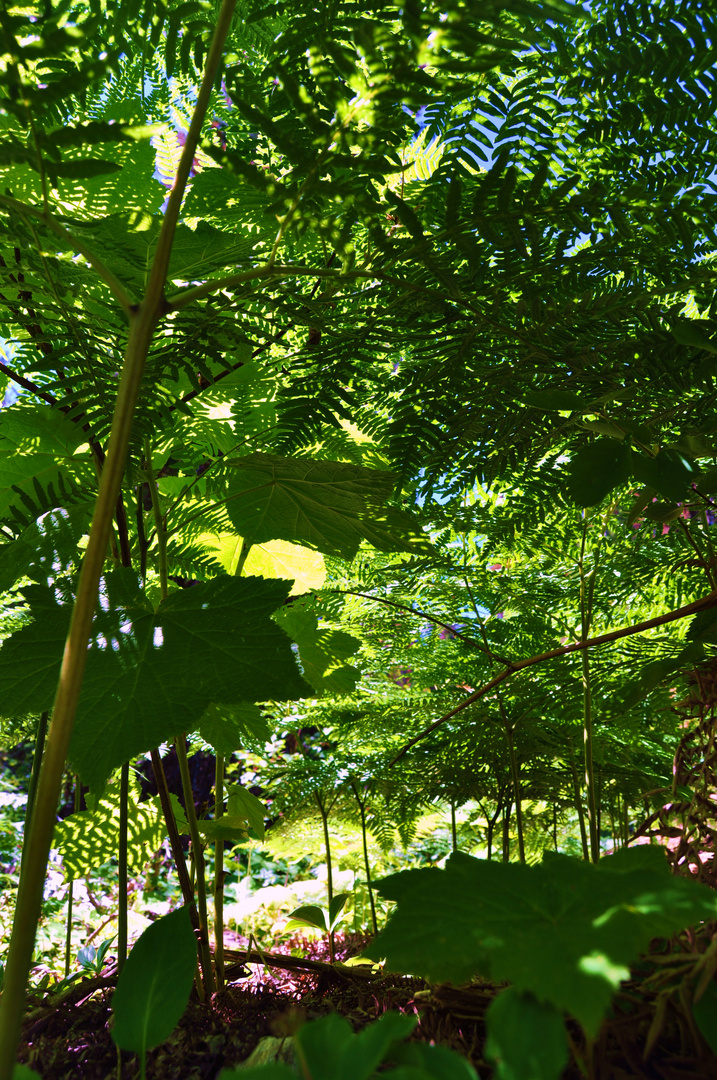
x=73 y=1038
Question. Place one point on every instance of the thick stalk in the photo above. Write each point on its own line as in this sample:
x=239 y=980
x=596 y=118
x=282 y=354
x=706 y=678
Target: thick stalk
x=143 y=320
x=180 y=744
x=36 y=762
x=219 y=875
x=70 y=894
x=122 y=868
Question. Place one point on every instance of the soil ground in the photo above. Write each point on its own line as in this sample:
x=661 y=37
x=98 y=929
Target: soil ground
x=72 y=1040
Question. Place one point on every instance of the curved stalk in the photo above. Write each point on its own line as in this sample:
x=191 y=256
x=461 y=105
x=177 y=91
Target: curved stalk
x=36 y=763
x=143 y=320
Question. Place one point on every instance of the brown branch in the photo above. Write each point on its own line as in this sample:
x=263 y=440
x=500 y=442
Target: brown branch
x=290 y=963
x=703 y=604
x=27 y=385
x=431 y=618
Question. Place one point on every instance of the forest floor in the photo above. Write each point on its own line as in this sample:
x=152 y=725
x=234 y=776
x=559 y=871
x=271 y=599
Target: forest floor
x=253 y=1015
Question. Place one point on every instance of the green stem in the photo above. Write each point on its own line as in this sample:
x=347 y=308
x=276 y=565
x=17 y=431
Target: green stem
x=143 y=320
x=159 y=522
x=364 y=836
x=506 y=830
x=327 y=843
x=182 y=872
x=219 y=875
x=70 y=894
x=122 y=868
x=579 y=804
x=180 y=744
x=36 y=762
x=454 y=831
x=587 y=583
x=515 y=776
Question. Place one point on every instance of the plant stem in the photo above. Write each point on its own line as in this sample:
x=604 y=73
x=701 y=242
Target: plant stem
x=143 y=320
x=579 y=804
x=506 y=830
x=36 y=763
x=180 y=744
x=364 y=836
x=219 y=875
x=122 y=868
x=587 y=583
x=454 y=833
x=159 y=522
x=327 y=843
x=70 y=894
x=515 y=776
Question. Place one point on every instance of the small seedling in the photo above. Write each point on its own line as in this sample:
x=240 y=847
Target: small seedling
x=320 y=918
x=93 y=960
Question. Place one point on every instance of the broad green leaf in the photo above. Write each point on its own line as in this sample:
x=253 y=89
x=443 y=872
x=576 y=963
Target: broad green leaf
x=554 y=401
x=526 y=1039
x=596 y=469
x=128 y=243
x=427 y=1062
x=330 y=505
x=278 y=559
x=24 y=1072
x=705 y=1013
x=307 y=915
x=225 y=727
x=152 y=674
x=153 y=989
x=563 y=930
x=322 y=651
x=39 y=459
x=670 y=472
x=332 y=1050
x=234 y=829
x=337 y=905
x=241 y=803
x=691 y=332
x=273 y=1071
x=244 y=818
x=272 y=559
x=90 y=837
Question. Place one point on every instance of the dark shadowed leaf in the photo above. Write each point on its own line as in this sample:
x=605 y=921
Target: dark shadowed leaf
x=153 y=989
x=563 y=930
x=525 y=1038
x=670 y=473
x=329 y=505
x=596 y=469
